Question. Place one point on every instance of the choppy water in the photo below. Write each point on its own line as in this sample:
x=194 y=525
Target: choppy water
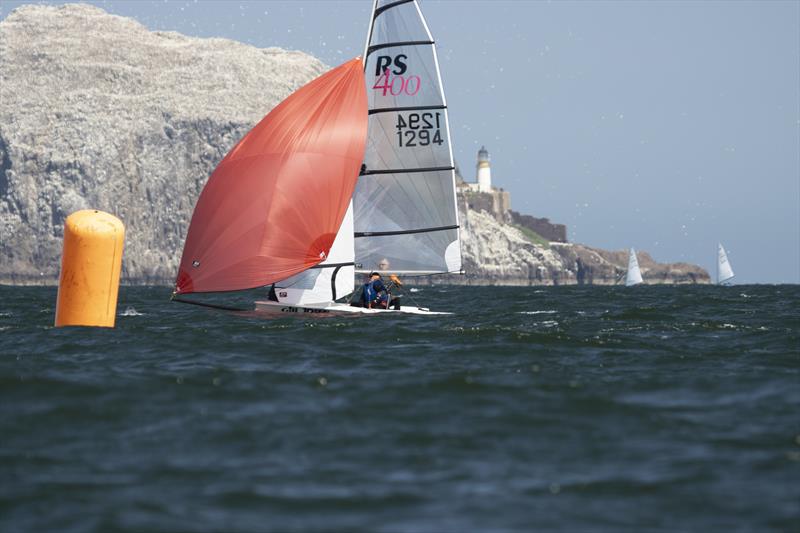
x=565 y=408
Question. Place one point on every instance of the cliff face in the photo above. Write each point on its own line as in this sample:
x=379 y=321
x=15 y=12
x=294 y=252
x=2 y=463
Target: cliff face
x=550 y=231
x=97 y=111
x=500 y=254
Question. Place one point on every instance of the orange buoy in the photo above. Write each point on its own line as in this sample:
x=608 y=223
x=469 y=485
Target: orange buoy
x=90 y=267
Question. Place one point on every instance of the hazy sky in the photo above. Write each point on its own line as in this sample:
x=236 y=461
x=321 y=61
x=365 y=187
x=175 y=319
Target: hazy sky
x=666 y=126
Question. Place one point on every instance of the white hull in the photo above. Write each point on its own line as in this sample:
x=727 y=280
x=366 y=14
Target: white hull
x=338 y=309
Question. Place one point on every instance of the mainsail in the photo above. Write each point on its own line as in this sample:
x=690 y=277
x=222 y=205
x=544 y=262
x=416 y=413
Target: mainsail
x=273 y=206
x=634 y=276
x=405 y=200
x=724 y=270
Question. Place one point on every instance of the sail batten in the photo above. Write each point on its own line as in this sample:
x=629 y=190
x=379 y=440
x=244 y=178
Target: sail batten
x=376 y=47
x=403 y=232
x=405 y=170
x=390 y=5
x=410 y=108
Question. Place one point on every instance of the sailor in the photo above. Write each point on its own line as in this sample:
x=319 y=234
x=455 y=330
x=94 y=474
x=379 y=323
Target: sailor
x=383 y=266
x=375 y=292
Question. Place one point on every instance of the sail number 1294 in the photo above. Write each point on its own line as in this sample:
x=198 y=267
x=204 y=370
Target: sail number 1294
x=419 y=129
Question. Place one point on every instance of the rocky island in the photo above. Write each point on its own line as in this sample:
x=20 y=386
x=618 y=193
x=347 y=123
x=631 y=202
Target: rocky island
x=98 y=111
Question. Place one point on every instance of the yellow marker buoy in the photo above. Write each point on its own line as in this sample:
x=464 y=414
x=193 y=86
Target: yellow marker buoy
x=90 y=266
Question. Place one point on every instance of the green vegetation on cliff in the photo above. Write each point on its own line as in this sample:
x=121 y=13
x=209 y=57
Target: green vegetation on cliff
x=532 y=236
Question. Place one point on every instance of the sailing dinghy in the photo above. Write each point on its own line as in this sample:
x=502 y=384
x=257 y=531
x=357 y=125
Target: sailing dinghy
x=724 y=270
x=352 y=171
x=634 y=275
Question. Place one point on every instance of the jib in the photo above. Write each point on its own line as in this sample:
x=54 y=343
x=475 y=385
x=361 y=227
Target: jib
x=385 y=62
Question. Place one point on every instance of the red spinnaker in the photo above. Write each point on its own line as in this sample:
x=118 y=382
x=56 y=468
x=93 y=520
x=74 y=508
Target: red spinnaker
x=272 y=207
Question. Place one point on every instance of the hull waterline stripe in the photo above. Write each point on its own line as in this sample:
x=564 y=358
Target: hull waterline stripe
x=401 y=232
x=405 y=170
x=411 y=108
x=376 y=47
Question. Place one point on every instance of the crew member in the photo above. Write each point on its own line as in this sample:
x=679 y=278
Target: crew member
x=376 y=294
x=383 y=266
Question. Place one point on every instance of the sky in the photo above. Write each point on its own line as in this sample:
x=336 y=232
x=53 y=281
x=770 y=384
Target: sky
x=663 y=126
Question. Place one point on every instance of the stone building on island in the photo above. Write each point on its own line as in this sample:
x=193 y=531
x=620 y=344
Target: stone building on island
x=481 y=195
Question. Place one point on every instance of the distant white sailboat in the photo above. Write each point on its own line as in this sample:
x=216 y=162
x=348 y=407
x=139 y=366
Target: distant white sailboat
x=724 y=270
x=634 y=276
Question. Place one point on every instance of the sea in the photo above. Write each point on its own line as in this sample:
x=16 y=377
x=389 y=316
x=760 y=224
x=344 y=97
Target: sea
x=652 y=408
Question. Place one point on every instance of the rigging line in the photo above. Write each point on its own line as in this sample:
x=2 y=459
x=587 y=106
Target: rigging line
x=405 y=171
x=212 y=306
x=389 y=6
x=408 y=108
x=376 y=47
x=401 y=232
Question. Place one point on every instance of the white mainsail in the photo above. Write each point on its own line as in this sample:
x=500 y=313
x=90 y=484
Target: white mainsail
x=724 y=270
x=634 y=276
x=405 y=200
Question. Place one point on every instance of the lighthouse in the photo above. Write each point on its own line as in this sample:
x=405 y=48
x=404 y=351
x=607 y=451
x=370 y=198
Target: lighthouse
x=484 y=171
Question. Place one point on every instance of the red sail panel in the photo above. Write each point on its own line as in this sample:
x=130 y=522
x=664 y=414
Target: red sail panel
x=272 y=207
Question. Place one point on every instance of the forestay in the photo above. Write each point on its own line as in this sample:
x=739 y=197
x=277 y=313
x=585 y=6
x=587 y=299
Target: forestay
x=405 y=199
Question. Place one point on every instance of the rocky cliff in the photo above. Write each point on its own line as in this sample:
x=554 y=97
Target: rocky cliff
x=501 y=254
x=97 y=111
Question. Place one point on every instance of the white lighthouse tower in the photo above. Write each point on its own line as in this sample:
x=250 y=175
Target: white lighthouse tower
x=484 y=171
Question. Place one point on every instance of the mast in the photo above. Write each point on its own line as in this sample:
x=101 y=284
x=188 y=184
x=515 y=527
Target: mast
x=369 y=32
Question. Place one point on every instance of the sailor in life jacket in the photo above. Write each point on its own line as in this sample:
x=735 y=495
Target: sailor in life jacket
x=376 y=294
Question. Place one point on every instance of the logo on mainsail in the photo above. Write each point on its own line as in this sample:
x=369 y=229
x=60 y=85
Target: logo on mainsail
x=386 y=61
